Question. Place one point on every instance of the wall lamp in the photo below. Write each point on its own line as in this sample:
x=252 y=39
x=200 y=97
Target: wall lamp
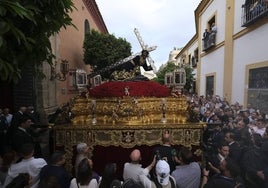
x=64 y=69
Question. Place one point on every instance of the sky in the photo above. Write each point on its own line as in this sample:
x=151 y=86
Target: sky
x=162 y=23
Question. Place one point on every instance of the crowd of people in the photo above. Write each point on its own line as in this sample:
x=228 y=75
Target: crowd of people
x=235 y=154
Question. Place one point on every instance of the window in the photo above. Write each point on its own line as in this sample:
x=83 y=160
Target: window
x=195 y=58
x=253 y=10
x=87 y=28
x=210 y=22
x=189 y=59
x=209 y=36
x=210 y=85
x=258 y=78
x=193 y=62
x=257 y=92
x=169 y=79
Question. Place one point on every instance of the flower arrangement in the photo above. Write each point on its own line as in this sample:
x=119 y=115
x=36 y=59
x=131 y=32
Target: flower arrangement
x=135 y=89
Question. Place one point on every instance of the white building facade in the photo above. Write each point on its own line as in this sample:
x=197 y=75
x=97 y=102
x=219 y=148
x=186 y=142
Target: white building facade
x=235 y=64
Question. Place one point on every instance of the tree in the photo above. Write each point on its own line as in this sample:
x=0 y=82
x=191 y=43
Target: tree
x=189 y=78
x=161 y=73
x=102 y=50
x=170 y=67
x=25 y=28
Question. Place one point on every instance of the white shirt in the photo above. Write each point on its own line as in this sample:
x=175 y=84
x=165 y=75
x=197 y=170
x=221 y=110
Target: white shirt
x=260 y=131
x=92 y=184
x=9 y=118
x=132 y=171
x=31 y=166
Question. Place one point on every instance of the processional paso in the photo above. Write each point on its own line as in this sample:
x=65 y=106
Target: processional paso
x=129 y=68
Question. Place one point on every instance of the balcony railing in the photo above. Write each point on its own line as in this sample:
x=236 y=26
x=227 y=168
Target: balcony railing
x=253 y=11
x=209 y=41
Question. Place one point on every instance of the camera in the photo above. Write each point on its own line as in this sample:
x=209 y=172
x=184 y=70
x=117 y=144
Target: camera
x=157 y=155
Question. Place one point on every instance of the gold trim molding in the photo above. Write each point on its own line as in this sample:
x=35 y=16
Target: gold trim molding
x=66 y=137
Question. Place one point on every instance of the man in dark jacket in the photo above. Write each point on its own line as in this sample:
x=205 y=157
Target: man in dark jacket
x=21 y=136
x=56 y=169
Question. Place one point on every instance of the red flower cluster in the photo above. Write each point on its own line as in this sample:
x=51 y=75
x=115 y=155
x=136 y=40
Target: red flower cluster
x=135 y=89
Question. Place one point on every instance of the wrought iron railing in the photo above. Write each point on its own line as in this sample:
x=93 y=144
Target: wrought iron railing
x=209 y=41
x=253 y=10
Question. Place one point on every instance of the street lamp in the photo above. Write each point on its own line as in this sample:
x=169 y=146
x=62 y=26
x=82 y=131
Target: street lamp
x=64 y=69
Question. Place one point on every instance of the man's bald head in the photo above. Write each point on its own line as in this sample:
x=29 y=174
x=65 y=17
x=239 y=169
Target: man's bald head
x=135 y=156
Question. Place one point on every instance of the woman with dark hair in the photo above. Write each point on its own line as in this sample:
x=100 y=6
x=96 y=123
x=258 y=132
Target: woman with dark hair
x=109 y=176
x=22 y=180
x=84 y=176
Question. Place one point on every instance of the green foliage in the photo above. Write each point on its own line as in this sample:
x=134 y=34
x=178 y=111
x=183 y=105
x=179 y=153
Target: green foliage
x=189 y=78
x=25 y=28
x=161 y=73
x=102 y=50
x=170 y=67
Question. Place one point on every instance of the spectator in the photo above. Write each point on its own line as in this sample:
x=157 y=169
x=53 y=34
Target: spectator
x=166 y=151
x=34 y=115
x=21 y=136
x=205 y=38
x=163 y=177
x=56 y=169
x=187 y=173
x=260 y=127
x=212 y=35
x=215 y=160
x=134 y=168
x=29 y=165
x=234 y=147
x=108 y=176
x=49 y=182
x=8 y=116
x=15 y=123
x=84 y=176
x=16 y=117
x=227 y=178
x=82 y=152
x=242 y=134
x=253 y=160
x=22 y=180
x=130 y=183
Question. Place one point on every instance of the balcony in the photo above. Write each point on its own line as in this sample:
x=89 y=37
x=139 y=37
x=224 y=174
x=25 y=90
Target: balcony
x=209 y=42
x=253 y=11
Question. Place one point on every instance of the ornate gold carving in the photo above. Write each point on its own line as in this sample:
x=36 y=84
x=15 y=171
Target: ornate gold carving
x=125 y=136
x=127 y=122
x=130 y=111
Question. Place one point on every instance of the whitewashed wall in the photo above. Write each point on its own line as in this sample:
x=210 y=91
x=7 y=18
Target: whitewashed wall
x=213 y=63
x=248 y=49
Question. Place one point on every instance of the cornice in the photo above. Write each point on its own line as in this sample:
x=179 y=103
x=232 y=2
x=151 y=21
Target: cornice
x=92 y=7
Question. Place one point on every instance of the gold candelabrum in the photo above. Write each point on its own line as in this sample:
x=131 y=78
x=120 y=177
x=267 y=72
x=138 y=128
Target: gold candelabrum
x=129 y=111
